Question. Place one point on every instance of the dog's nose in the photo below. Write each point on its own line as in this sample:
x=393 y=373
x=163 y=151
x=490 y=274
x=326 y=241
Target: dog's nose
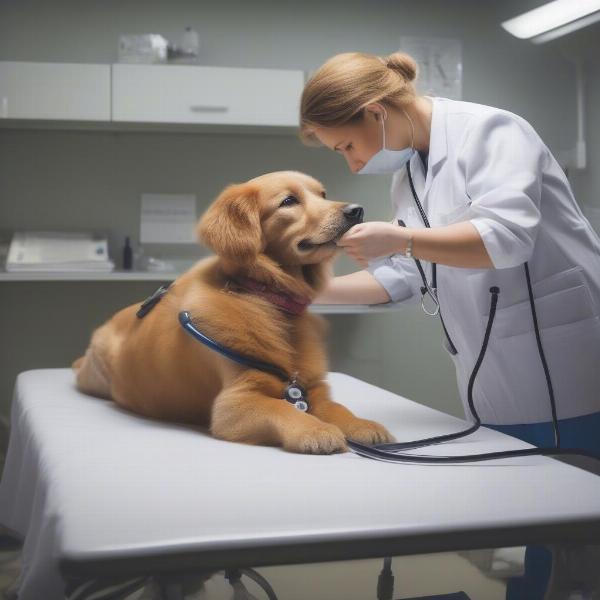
x=354 y=213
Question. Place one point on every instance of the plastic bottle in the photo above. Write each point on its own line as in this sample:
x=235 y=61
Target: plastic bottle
x=190 y=42
x=127 y=255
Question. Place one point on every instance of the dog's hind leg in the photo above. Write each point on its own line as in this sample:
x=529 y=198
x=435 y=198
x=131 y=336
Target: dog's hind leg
x=91 y=375
x=76 y=364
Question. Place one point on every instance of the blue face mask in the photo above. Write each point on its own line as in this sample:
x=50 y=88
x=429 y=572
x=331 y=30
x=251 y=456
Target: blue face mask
x=386 y=160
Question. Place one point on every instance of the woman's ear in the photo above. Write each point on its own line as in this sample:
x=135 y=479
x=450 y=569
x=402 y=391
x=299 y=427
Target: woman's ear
x=377 y=109
x=231 y=225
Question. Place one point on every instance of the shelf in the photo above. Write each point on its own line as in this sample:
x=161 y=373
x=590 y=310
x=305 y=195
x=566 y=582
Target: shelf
x=126 y=127
x=353 y=309
x=87 y=276
x=325 y=309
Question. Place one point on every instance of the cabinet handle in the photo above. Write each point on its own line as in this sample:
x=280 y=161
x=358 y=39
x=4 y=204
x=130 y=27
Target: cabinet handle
x=208 y=108
x=4 y=107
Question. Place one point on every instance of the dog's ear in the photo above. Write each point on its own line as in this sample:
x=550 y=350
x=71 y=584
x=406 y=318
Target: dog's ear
x=231 y=225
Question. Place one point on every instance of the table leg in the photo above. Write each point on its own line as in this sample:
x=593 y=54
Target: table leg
x=171 y=590
x=575 y=572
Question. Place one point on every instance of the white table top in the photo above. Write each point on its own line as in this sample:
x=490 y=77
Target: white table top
x=105 y=489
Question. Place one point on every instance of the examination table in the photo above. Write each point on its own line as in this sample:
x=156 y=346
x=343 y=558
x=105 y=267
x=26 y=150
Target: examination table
x=95 y=491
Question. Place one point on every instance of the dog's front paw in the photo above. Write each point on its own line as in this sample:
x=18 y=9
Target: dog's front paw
x=323 y=438
x=368 y=432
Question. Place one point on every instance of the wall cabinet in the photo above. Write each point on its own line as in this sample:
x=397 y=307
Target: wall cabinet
x=55 y=91
x=146 y=95
x=207 y=95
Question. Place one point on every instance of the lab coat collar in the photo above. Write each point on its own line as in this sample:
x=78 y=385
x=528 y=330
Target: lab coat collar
x=438 y=140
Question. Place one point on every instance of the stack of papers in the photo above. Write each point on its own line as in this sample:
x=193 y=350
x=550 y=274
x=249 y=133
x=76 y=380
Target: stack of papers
x=58 y=251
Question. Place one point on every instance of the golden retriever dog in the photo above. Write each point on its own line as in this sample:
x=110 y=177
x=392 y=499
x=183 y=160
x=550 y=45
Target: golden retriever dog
x=274 y=239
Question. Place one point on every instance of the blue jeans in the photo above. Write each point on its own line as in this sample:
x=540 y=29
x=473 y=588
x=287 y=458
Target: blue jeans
x=578 y=432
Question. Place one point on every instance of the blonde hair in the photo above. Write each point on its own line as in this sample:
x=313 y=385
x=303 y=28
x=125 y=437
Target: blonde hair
x=338 y=91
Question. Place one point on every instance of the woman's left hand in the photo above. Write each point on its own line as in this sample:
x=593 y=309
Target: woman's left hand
x=366 y=241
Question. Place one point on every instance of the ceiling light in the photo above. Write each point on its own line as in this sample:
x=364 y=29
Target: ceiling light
x=553 y=20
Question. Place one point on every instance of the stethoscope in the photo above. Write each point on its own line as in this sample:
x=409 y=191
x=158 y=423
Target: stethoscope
x=389 y=452
x=293 y=392
x=297 y=395
x=427 y=289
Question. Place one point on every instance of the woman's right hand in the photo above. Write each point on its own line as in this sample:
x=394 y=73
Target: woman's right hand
x=356 y=288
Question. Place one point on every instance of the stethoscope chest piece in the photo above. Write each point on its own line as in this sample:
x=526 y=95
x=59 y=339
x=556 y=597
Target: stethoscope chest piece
x=296 y=395
x=431 y=307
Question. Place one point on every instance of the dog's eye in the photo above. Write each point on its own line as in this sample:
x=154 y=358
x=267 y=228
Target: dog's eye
x=289 y=201
x=323 y=193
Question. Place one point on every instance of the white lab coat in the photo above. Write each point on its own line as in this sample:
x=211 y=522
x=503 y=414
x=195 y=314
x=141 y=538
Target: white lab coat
x=489 y=166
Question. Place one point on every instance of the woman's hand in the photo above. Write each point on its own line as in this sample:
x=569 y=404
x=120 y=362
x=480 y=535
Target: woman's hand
x=367 y=241
x=455 y=245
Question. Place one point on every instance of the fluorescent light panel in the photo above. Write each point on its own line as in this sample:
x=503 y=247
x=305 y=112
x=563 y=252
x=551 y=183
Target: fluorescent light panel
x=554 y=19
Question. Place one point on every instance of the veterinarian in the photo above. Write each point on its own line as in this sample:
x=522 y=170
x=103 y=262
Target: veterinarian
x=491 y=207
x=480 y=204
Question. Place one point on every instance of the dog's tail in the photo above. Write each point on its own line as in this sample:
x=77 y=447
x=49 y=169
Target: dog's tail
x=77 y=362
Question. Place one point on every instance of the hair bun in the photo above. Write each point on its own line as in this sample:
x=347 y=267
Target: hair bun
x=402 y=63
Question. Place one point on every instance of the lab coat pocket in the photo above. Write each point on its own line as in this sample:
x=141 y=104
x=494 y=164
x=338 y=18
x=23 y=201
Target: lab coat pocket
x=560 y=298
x=563 y=307
x=572 y=352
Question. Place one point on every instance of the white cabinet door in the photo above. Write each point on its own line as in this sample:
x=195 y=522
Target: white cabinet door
x=199 y=94
x=54 y=91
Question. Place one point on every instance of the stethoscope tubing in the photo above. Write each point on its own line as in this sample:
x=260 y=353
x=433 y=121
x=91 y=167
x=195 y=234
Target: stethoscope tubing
x=389 y=451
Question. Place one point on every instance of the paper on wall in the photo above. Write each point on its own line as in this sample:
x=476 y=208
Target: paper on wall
x=168 y=219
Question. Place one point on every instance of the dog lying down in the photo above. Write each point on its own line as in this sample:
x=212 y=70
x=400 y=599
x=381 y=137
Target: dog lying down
x=279 y=230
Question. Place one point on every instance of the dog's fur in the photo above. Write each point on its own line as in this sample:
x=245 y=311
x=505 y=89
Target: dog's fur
x=151 y=366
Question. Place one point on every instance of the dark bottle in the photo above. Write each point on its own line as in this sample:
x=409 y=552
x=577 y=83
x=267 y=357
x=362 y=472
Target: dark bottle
x=127 y=255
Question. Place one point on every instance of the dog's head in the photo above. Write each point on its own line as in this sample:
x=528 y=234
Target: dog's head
x=283 y=215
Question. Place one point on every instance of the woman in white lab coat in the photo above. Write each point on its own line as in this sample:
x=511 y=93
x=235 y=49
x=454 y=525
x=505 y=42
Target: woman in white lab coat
x=500 y=211
x=502 y=218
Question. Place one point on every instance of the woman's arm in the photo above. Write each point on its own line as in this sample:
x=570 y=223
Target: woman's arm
x=356 y=288
x=456 y=245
